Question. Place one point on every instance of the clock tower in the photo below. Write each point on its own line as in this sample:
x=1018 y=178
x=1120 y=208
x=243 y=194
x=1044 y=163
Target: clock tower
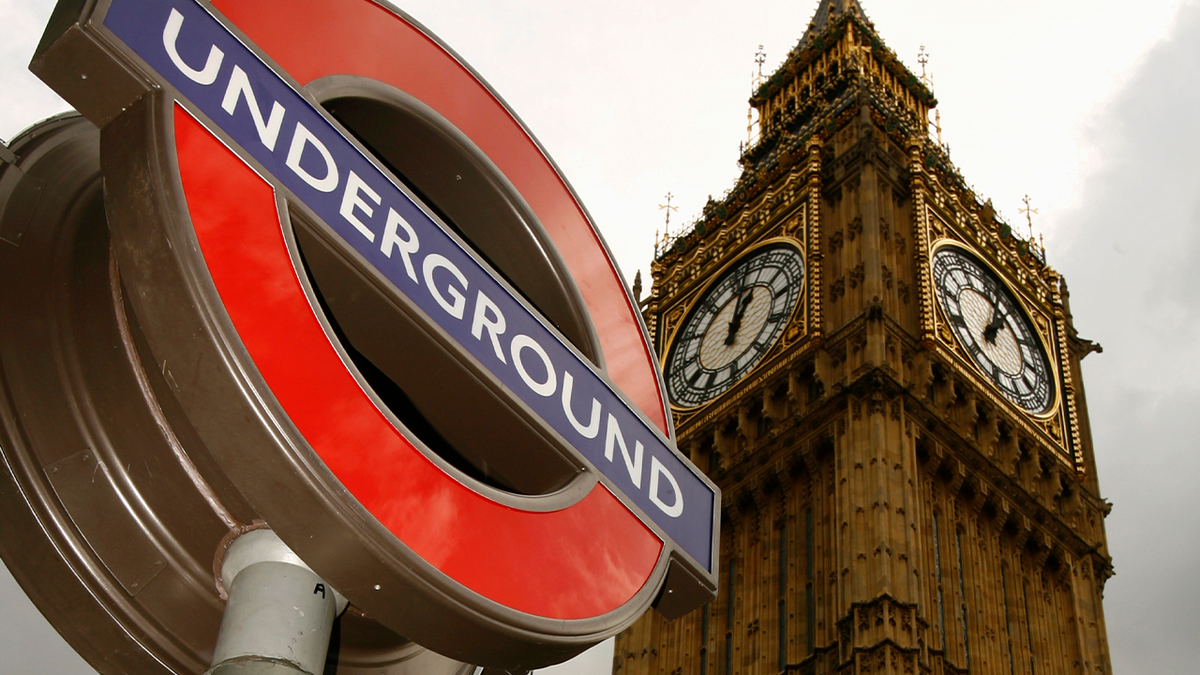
x=883 y=378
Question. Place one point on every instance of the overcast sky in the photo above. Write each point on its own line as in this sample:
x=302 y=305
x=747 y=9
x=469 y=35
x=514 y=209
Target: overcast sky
x=1088 y=106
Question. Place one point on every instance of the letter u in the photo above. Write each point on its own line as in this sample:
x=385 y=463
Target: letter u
x=593 y=427
x=212 y=67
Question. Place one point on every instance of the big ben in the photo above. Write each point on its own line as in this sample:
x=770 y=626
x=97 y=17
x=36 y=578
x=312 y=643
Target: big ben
x=883 y=378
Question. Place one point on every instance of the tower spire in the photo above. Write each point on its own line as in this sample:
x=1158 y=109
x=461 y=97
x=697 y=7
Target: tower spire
x=829 y=10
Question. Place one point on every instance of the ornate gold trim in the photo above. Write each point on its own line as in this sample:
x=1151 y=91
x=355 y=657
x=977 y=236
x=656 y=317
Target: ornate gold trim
x=921 y=250
x=815 y=256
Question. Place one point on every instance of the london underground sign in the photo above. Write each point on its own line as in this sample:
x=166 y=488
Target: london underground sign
x=326 y=327
x=298 y=146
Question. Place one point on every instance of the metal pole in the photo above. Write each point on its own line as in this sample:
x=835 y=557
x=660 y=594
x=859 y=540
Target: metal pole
x=279 y=614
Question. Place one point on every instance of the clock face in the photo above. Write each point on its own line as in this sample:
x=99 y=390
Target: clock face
x=993 y=329
x=734 y=324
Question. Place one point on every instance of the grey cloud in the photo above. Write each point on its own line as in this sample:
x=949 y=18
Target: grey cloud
x=1132 y=256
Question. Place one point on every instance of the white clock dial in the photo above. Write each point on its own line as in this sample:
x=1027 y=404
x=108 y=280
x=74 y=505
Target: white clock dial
x=734 y=324
x=993 y=329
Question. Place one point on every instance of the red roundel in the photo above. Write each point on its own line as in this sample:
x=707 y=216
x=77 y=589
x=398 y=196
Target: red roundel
x=592 y=557
x=250 y=327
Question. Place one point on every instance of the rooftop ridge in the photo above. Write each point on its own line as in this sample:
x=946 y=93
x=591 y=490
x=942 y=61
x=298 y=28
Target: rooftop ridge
x=828 y=11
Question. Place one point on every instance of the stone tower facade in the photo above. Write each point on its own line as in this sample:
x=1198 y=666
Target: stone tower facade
x=899 y=430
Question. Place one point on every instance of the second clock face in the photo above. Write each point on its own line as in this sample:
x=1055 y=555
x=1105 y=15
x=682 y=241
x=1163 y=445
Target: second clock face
x=734 y=324
x=993 y=329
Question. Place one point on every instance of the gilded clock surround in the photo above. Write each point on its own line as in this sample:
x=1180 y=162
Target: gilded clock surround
x=887 y=509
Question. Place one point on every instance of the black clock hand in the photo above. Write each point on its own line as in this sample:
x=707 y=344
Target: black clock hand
x=739 y=310
x=998 y=319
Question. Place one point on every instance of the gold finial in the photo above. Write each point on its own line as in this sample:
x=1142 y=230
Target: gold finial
x=927 y=80
x=760 y=57
x=1028 y=211
x=668 y=208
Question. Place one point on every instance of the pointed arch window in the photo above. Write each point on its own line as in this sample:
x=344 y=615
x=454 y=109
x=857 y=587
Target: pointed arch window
x=941 y=591
x=962 y=595
x=809 y=586
x=1008 y=627
x=783 y=587
x=1028 y=627
x=729 y=618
